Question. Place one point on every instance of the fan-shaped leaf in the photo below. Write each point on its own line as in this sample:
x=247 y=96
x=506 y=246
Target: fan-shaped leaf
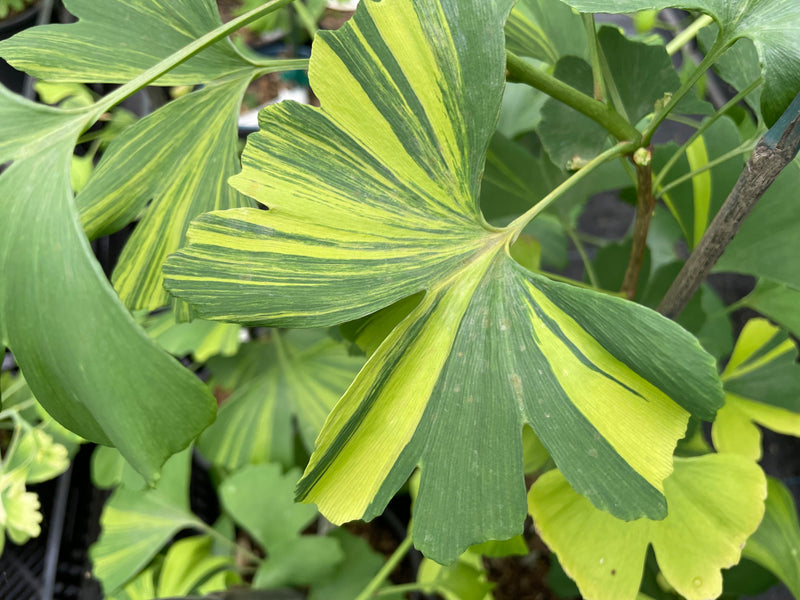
x=715 y=503
x=776 y=543
x=297 y=374
x=136 y=524
x=82 y=354
x=762 y=385
x=373 y=198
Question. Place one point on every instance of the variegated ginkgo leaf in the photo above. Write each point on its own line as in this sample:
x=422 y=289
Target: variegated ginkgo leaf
x=373 y=198
x=773 y=25
x=173 y=164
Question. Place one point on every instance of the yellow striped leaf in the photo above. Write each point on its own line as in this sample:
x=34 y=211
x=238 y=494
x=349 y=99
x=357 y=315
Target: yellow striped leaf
x=82 y=354
x=374 y=198
x=180 y=156
x=176 y=161
x=115 y=40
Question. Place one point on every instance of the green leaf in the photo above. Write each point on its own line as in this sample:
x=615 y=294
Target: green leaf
x=768 y=242
x=776 y=543
x=642 y=73
x=136 y=524
x=297 y=375
x=117 y=40
x=373 y=198
x=715 y=502
x=777 y=301
x=546 y=30
x=83 y=356
x=772 y=25
x=570 y=137
x=359 y=566
x=201 y=339
x=521 y=109
x=261 y=499
x=762 y=385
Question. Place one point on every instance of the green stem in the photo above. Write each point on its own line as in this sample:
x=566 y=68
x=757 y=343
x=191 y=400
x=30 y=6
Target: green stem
x=587 y=264
x=13 y=411
x=381 y=576
x=594 y=240
x=518 y=224
x=743 y=149
x=181 y=56
x=613 y=92
x=717 y=50
x=688 y=34
x=702 y=129
x=684 y=120
x=594 y=53
x=522 y=72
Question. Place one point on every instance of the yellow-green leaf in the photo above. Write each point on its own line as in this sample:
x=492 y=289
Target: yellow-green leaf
x=762 y=385
x=715 y=503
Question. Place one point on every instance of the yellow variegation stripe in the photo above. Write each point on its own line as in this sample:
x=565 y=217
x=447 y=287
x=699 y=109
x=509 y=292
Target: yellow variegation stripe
x=361 y=463
x=116 y=40
x=523 y=32
x=628 y=411
x=180 y=157
x=697 y=155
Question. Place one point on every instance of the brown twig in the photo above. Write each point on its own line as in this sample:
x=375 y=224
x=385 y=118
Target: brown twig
x=771 y=155
x=645 y=204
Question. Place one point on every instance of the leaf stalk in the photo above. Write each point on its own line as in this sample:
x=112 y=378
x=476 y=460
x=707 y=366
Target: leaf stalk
x=522 y=72
x=517 y=225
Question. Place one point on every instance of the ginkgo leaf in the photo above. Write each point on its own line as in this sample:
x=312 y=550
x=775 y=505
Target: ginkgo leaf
x=297 y=374
x=715 y=502
x=768 y=242
x=762 y=387
x=83 y=356
x=778 y=302
x=200 y=339
x=137 y=523
x=546 y=30
x=776 y=543
x=114 y=41
x=773 y=25
x=372 y=199
x=174 y=162
x=260 y=499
